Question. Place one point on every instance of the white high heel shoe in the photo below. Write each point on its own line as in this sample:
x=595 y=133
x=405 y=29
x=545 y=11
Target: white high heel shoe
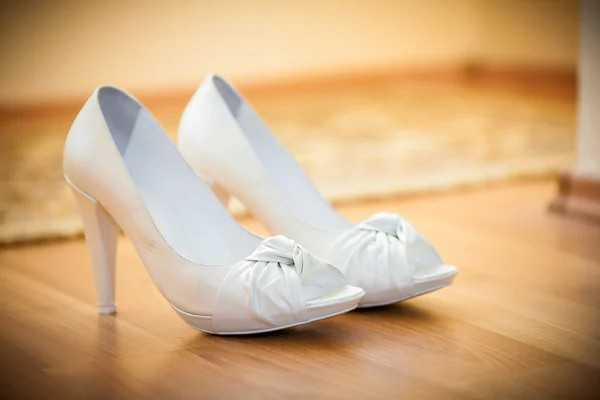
x=223 y=138
x=217 y=276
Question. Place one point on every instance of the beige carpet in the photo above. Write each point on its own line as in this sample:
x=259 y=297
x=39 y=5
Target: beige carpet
x=354 y=141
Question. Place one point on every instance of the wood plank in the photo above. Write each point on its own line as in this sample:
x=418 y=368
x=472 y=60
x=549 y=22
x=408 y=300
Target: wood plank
x=521 y=321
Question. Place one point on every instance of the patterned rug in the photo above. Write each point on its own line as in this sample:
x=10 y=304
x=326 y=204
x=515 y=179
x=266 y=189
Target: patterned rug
x=355 y=141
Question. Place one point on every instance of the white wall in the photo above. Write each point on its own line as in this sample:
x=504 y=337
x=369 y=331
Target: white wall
x=51 y=50
x=588 y=132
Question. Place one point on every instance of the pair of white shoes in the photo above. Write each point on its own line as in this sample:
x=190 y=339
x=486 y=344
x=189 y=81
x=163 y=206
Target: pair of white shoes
x=219 y=277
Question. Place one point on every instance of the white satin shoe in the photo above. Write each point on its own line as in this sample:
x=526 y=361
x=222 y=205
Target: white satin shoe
x=217 y=276
x=225 y=141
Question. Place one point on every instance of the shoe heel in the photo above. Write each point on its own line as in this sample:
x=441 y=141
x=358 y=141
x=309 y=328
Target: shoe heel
x=101 y=235
x=218 y=190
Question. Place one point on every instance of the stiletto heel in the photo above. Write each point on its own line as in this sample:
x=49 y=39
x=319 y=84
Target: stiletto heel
x=219 y=132
x=101 y=234
x=217 y=276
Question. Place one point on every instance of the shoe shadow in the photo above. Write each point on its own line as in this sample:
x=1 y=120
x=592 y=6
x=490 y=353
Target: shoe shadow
x=333 y=334
x=340 y=331
x=210 y=364
x=404 y=313
x=313 y=332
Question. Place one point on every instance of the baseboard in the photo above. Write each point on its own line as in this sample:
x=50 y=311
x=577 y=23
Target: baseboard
x=578 y=196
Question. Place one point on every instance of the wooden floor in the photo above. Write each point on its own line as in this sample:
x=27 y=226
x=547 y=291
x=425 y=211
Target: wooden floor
x=521 y=321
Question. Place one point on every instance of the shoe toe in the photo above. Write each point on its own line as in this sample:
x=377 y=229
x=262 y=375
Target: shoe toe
x=434 y=272
x=427 y=263
x=339 y=301
x=387 y=256
x=417 y=270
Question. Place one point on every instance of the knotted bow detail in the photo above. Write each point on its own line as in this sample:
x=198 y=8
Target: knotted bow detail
x=391 y=224
x=380 y=254
x=279 y=249
x=271 y=286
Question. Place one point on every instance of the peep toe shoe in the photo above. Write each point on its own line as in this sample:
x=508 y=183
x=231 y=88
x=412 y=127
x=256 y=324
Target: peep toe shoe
x=226 y=142
x=218 y=277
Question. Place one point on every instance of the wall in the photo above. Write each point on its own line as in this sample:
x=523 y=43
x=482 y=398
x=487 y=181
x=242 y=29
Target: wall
x=588 y=132
x=54 y=50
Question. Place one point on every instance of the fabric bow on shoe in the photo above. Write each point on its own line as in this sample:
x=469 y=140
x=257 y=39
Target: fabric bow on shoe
x=273 y=284
x=382 y=253
x=391 y=224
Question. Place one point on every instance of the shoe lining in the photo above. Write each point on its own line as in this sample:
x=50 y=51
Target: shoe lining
x=287 y=174
x=185 y=211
